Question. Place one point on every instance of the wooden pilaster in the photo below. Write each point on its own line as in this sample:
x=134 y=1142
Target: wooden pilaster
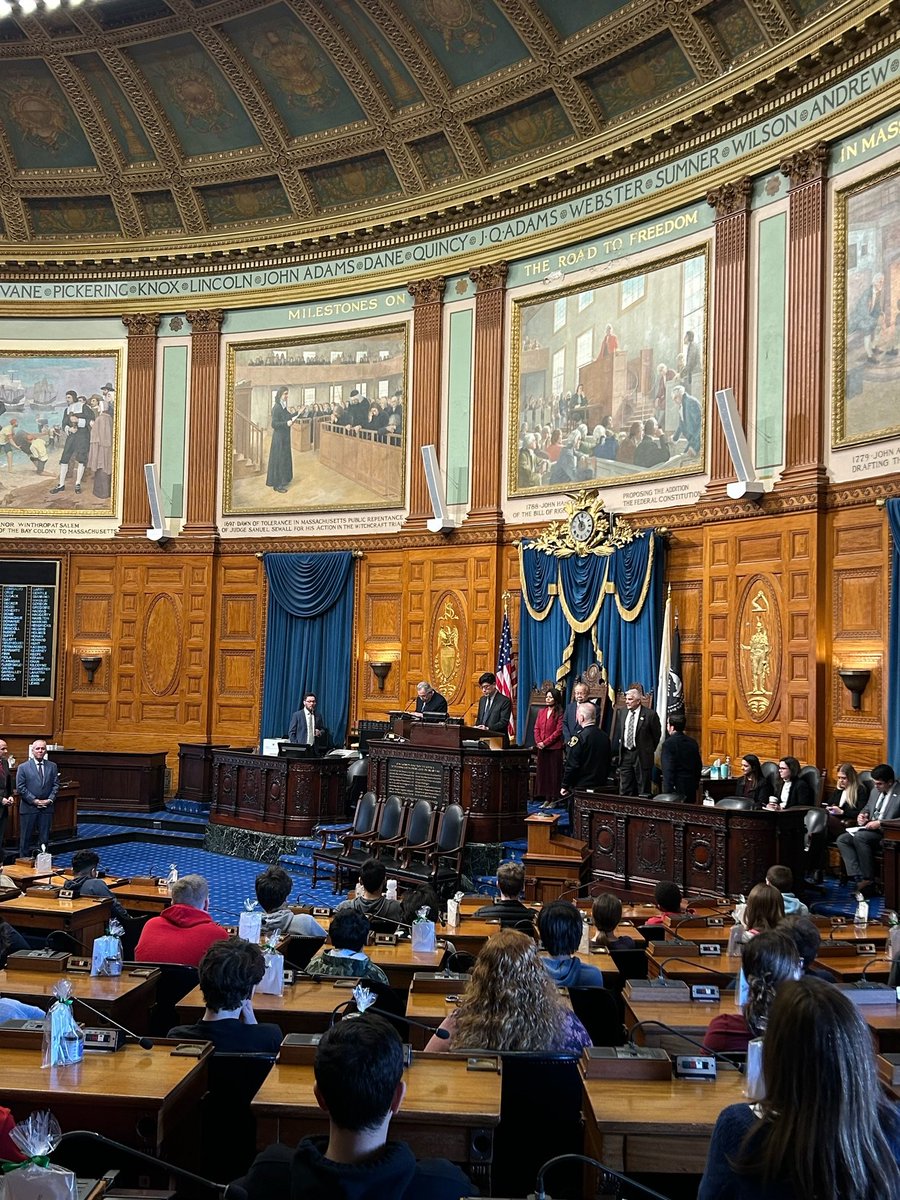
x=487 y=426
x=140 y=420
x=425 y=400
x=204 y=422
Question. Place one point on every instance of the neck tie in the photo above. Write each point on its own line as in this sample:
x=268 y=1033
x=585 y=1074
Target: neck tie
x=629 y=732
x=310 y=728
x=879 y=807
x=40 y=767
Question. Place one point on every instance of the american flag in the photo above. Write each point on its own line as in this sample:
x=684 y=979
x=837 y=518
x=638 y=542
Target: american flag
x=506 y=669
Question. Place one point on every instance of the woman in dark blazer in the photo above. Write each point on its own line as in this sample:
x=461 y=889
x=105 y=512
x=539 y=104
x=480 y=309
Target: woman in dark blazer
x=792 y=792
x=753 y=784
x=846 y=802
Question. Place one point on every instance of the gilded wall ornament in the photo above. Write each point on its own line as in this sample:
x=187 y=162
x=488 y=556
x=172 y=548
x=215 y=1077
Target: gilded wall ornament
x=587 y=529
x=759 y=648
x=447 y=645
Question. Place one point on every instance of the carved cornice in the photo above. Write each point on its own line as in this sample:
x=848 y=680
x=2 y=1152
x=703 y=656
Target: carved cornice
x=141 y=324
x=731 y=198
x=427 y=291
x=806 y=166
x=205 y=320
x=490 y=277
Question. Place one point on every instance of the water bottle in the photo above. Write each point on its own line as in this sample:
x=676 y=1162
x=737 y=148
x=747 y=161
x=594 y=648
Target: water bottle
x=726 y=770
x=585 y=944
x=714 y=770
x=172 y=877
x=360 y=890
x=861 y=916
x=391 y=891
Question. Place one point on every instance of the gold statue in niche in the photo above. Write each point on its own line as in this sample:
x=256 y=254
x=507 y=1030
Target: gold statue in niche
x=757 y=661
x=446 y=662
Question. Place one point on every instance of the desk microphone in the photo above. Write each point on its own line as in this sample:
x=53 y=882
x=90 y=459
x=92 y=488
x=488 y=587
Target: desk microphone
x=879 y=958
x=706 y=970
x=443 y=1034
x=144 y=1042
x=725 y=1056
x=540 y=1193
x=228 y=1191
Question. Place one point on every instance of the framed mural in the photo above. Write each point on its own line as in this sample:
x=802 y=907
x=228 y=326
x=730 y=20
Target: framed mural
x=608 y=380
x=59 y=432
x=316 y=423
x=867 y=310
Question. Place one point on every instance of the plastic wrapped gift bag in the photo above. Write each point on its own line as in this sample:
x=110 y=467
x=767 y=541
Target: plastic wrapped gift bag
x=423 y=939
x=37 y=1179
x=272 y=983
x=250 y=922
x=63 y=1036
x=106 y=956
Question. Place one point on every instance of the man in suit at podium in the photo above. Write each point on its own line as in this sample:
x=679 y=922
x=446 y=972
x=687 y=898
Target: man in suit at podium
x=494 y=709
x=37 y=782
x=638 y=737
x=430 y=701
x=307 y=727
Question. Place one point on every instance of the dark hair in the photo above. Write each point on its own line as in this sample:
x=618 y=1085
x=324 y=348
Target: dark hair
x=348 y=930
x=487 y=677
x=883 y=773
x=557 y=696
x=359 y=1063
x=826 y=1122
x=765 y=907
x=372 y=875
x=273 y=886
x=805 y=935
x=677 y=721
x=510 y=879
x=756 y=771
x=792 y=764
x=560 y=926
x=424 y=896
x=85 y=860
x=607 y=913
x=279 y=392
x=780 y=877
x=667 y=896
x=229 y=971
x=769 y=959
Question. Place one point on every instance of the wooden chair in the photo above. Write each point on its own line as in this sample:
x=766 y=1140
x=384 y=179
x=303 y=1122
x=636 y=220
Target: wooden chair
x=440 y=863
x=415 y=836
x=597 y=689
x=364 y=823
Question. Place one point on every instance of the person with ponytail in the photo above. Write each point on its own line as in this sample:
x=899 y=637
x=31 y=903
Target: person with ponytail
x=768 y=961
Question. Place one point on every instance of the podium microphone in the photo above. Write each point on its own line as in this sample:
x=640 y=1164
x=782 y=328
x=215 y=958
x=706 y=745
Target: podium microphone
x=144 y=1042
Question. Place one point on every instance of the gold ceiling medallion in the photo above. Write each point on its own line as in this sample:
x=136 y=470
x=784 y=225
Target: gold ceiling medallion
x=587 y=529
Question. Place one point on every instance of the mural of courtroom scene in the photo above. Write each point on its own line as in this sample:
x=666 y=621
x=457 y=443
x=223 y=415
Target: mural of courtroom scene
x=609 y=381
x=867 y=318
x=58 y=432
x=316 y=423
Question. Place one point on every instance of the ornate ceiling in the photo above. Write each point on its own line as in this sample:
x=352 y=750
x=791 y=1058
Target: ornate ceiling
x=154 y=124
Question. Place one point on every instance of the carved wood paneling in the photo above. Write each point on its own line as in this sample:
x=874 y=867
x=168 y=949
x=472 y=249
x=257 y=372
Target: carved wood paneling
x=140 y=394
x=425 y=400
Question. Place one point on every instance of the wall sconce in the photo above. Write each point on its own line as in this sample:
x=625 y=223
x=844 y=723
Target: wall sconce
x=380 y=670
x=91 y=664
x=855 y=680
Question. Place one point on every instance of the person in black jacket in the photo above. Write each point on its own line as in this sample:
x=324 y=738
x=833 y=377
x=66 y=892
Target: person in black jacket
x=359 y=1084
x=793 y=791
x=494 y=709
x=681 y=761
x=430 y=701
x=754 y=784
x=509 y=909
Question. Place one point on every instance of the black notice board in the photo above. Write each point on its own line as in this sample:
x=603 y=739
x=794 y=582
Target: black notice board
x=29 y=592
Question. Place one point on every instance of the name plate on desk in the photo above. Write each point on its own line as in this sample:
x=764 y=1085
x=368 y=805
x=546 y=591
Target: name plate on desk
x=625 y=1062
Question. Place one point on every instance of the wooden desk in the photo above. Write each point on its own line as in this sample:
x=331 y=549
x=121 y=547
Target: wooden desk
x=400 y=964
x=656 y=1125
x=709 y=969
x=719 y=934
x=141 y=897
x=115 y=779
x=305 y=1006
x=276 y=795
x=125 y=998
x=84 y=918
x=145 y=1098
x=448 y=1110
x=689 y=1017
x=554 y=862
x=25 y=875
x=637 y=843
x=603 y=961
x=431 y=1007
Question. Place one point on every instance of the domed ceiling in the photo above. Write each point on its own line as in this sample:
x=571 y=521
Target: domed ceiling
x=153 y=123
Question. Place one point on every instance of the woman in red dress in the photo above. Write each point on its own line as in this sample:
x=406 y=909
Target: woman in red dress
x=549 y=742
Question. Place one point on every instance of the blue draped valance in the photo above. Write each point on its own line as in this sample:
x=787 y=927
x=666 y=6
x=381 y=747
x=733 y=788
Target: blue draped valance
x=309 y=634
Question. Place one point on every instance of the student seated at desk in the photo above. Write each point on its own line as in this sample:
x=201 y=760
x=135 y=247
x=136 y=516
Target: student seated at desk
x=85 y=881
x=348 y=932
x=769 y=960
x=560 y=926
x=606 y=912
x=511 y=1003
x=10 y=941
x=669 y=902
x=229 y=971
x=782 y=878
x=359 y=1084
x=805 y=935
x=825 y=1127
x=372 y=903
x=183 y=932
x=273 y=886
x=509 y=909
x=423 y=896
x=764 y=910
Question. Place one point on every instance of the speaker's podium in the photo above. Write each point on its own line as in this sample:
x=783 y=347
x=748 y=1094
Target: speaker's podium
x=554 y=862
x=441 y=731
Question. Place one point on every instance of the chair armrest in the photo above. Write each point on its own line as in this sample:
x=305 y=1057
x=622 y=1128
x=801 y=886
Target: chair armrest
x=407 y=851
x=336 y=834
x=399 y=840
x=436 y=855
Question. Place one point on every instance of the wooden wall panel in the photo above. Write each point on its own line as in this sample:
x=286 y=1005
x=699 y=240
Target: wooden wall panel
x=239 y=606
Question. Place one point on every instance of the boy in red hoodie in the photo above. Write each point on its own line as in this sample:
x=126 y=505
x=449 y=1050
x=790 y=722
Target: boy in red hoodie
x=184 y=931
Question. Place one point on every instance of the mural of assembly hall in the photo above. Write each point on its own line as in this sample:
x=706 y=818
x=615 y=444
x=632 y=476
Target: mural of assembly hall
x=158 y=123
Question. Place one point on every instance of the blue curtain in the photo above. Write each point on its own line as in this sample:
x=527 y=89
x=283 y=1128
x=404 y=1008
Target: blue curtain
x=309 y=637
x=893 y=665
x=577 y=609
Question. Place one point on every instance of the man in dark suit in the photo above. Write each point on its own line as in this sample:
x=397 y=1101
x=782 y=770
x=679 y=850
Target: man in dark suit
x=681 y=761
x=6 y=792
x=858 y=844
x=37 y=782
x=588 y=756
x=494 y=709
x=637 y=738
x=307 y=727
x=430 y=701
x=570 y=716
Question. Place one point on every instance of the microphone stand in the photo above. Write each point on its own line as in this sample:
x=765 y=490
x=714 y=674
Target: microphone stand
x=145 y=1043
x=229 y=1191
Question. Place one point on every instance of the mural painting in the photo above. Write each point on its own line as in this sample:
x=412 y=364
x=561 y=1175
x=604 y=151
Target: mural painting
x=609 y=381
x=867 y=311
x=58 y=432
x=316 y=423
